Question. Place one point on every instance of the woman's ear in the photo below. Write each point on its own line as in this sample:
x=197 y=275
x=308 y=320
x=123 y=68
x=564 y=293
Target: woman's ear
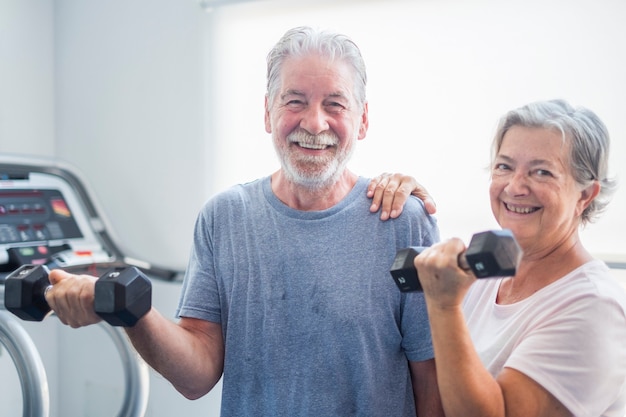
x=587 y=195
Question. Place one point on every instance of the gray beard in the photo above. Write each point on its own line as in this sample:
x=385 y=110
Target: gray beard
x=317 y=180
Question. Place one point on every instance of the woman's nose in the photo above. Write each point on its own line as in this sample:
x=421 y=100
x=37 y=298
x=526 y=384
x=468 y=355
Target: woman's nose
x=517 y=184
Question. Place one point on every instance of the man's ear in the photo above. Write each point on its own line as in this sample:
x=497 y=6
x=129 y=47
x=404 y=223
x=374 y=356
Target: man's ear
x=365 y=122
x=268 y=122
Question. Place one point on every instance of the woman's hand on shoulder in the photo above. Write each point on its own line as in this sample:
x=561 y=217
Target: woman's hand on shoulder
x=389 y=193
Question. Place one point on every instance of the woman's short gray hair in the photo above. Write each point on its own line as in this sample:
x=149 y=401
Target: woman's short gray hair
x=587 y=134
x=304 y=40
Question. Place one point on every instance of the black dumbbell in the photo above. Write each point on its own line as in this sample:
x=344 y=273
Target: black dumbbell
x=494 y=253
x=122 y=295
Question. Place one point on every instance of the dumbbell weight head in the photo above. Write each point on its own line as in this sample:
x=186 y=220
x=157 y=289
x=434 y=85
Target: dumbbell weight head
x=403 y=270
x=24 y=291
x=123 y=296
x=494 y=253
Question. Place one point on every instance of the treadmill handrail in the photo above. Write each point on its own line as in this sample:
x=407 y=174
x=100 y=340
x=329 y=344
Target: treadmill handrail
x=136 y=374
x=30 y=369
x=32 y=373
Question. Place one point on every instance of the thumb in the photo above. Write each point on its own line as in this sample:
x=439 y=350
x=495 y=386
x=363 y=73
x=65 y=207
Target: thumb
x=57 y=275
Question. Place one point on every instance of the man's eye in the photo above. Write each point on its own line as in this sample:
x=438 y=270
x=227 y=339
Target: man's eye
x=335 y=107
x=294 y=104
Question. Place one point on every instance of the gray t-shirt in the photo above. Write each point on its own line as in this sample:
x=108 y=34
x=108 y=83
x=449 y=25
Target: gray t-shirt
x=313 y=322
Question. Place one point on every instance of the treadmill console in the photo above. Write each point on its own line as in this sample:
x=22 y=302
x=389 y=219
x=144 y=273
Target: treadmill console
x=35 y=215
x=42 y=221
x=48 y=216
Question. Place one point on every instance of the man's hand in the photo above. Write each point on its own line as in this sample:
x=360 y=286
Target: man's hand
x=389 y=193
x=71 y=297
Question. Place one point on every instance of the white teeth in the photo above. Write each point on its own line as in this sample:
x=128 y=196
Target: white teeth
x=520 y=210
x=316 y=146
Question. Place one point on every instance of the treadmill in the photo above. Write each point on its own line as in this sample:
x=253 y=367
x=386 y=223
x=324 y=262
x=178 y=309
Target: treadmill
x=49 y=216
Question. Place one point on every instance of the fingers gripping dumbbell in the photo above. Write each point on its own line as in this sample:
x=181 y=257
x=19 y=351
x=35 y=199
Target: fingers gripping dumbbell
x=122 y=295
x=493 y=253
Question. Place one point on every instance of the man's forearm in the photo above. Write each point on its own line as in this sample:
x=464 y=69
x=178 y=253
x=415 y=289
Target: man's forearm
x=188 y=357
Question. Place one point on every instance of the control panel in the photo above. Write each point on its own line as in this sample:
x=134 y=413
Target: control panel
x=43 y=221
x=35 y=215
x=49 y=216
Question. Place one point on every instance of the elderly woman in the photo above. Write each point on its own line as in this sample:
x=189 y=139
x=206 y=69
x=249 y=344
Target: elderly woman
x=550 y=341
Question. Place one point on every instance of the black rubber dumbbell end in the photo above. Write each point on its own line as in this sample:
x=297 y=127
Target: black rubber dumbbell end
x=403 y=270
x=494 y=253
x=24 y=292
x=123 y=296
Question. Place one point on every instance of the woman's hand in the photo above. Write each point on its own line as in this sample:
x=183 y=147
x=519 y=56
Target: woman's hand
x=389 y=193
x=444 y=281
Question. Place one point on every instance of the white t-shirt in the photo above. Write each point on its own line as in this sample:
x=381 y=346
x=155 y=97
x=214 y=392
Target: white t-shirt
x=570 y=337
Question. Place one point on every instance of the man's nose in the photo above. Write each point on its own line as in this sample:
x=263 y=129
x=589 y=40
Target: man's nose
x=314 y=120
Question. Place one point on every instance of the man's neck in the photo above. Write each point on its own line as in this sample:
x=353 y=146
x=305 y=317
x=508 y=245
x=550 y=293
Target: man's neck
x=304 y=198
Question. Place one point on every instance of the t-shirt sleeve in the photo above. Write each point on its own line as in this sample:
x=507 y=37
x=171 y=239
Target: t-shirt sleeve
x=417 y=339
x=199 y=293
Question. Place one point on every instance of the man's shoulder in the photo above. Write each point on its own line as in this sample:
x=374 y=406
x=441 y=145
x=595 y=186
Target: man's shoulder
x=239 y=191
x=415 y=211
x=415 y=216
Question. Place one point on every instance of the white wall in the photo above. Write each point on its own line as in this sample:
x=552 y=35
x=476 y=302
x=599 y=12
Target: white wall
x=27 y=126
x=129 y=77
x=26 y=77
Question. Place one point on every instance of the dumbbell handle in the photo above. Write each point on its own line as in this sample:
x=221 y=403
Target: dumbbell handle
x=489 y=254
x=462 y=261
x=403 y=270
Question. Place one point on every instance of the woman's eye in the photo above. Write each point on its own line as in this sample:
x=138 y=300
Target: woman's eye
x=543 y=173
